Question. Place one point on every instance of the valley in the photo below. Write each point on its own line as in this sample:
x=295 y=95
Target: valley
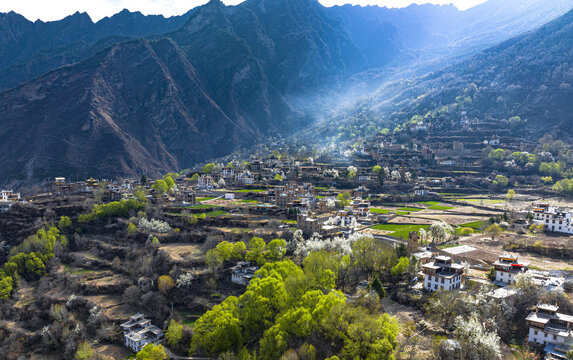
x=285 y=180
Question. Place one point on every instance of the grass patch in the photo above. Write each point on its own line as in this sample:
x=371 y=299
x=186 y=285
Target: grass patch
x=391 y=227
x=378 y=211
x=188 y=318
x=476 y=225
x=203 y=206
x=405 y=233
x=76 y=271
x=400 y=230
x=321 y=187
x=441 y=207
x=216 y=213
x=250 y=190
x=452 y=194
x=247 y=201
x=431 y=203
x=290 y=222
x=410 y=209
x=206 y=198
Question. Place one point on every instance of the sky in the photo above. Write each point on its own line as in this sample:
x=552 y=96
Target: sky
x=97 y=9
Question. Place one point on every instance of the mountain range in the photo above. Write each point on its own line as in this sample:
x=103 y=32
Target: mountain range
x=133 y=93
x=530 y=76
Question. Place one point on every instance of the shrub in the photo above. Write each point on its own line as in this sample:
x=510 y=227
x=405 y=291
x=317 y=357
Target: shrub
x=113 y=209
x=153 y=225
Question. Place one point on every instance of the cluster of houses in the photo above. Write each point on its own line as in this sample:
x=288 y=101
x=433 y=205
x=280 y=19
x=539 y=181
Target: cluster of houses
x=548 y=329
x=7 y=198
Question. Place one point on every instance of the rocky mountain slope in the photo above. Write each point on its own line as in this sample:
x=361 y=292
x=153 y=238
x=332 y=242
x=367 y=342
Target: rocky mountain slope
x=30 y=49
x=219 y=78
x=137 y=105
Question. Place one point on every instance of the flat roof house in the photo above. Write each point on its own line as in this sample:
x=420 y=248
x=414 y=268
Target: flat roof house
x=550 y=328
x=139 y=331
x=506 y=267
x=442 y=274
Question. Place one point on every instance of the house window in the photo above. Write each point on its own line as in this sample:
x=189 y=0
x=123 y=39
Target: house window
x=535 y=332
x=554 y=337
x=442 y=280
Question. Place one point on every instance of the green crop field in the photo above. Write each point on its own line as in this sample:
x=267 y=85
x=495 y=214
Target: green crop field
x=431 y=203
x=477 y=225
x=203 y=206
x=216 y=213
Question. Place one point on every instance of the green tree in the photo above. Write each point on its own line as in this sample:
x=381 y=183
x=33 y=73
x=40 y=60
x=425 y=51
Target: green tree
x=497 y=155
x=131 y=229
x=140 y=194
x=553 y=169
x=255 y=253
x=152 y=352
x=64 y=223
x=493 y=231
x=174 y=333
x=343 y=199
x=307 y=352
x=491 y=274
x=165 y=283
x=207 y=169
x=377 y=287
x=514 y=122
x=564 y=187
x=213 y=260
x=84 y=351
x=160 y=187
x=239 y=249
x=276 y=249
x=547 y=180
x=195 y=177
x=218 y=330
x=225 y=249
x=510 y=195
x=6 y=287
x=401 y=267
x=371 y=338
x=500 y=181
x=35 y=267
x=169 y=182
x=376 y=169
